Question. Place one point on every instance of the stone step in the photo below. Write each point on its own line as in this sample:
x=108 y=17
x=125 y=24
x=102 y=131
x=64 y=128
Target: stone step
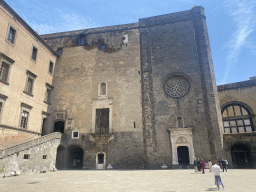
x=28 y=144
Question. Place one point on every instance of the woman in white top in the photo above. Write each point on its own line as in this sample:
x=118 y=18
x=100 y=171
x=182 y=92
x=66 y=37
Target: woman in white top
x=210 y=165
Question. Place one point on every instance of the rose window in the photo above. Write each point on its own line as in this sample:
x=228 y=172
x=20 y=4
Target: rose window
x=176 y=87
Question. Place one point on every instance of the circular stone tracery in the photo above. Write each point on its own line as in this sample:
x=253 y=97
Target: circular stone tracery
x=176 y=86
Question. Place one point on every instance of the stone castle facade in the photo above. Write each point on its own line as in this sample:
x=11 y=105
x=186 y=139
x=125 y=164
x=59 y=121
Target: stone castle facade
x=133 y=96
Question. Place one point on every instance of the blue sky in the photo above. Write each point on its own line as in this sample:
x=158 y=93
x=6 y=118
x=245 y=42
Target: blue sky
x=231 y=24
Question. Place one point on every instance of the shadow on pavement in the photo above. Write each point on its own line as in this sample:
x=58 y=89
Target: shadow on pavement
x=211 y=189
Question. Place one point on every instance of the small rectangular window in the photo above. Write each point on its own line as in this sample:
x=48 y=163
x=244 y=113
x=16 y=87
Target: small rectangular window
x=2 y=102
x=34 y=53
x=5 y=68
x=51 y=67
x=48 y=95
x=59 y=51
x=11 y=35
x=26 y=156
x=4 y=72
x=82 y=40
x=24 y=119
x=75 y=134
x=44 y=156
x=29 y=85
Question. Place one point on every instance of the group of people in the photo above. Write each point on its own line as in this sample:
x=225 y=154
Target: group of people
x=216 y=168
x=199 y=165
x=223 y=164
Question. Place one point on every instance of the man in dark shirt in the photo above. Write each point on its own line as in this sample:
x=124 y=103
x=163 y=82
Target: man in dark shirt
x=224 y=165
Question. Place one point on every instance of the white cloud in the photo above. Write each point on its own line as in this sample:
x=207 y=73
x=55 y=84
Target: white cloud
x=66 y=22
x=243 y=17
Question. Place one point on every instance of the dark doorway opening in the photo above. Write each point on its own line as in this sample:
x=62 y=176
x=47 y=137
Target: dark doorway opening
x=43 y=127
x=183 y=155
x=60 y=158
x=76 y=155
x=59 y=126
x=102 y=121
x=100 y=158
x=241 y=156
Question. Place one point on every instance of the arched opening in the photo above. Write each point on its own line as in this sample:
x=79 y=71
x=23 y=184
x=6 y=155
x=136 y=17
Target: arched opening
x=103 y=89
x=183 y=155
x=100 y=160
x=60 y=158
x=241 y=156
x=237 y=118
x=180 y=122
x=59 y=126
x=76 y=155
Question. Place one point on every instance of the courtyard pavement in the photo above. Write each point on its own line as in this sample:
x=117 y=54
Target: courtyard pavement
x=242 y=180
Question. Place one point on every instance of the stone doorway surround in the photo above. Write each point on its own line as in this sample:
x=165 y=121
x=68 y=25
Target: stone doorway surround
x=101 y=165
x=181 y=137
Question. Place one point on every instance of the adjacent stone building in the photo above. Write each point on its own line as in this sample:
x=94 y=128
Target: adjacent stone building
x=133 y=96
x=238 y=106
x=26 y=74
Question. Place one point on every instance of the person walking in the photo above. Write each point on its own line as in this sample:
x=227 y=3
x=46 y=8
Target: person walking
x=216 y=169
x=210 y=165
x=203 y=165
x=195 y=164
x=226 y=164
x=198 y=164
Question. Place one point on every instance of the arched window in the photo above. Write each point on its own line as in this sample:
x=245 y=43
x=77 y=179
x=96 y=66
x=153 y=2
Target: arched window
x=236 y=119
x=102 y=91
x=180 y=122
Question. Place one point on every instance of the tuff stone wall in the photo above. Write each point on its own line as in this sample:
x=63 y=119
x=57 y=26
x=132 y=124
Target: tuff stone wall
x=79 y=72
x=123 y=151
x=177 y=44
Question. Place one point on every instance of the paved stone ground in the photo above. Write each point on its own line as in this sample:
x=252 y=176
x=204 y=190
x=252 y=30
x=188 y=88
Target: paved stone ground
x=243 y=180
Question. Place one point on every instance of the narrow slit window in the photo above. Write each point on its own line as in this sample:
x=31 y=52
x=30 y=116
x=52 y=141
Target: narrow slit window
x=51 y=67
x=1 y=105
x=34 y=53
